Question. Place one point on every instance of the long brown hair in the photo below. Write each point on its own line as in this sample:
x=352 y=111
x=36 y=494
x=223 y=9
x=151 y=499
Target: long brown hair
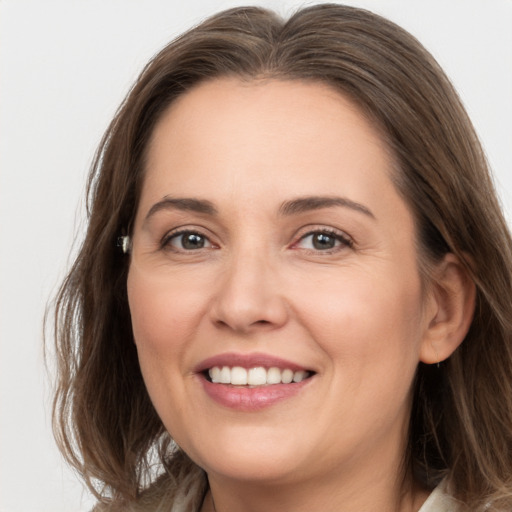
x=461 y=423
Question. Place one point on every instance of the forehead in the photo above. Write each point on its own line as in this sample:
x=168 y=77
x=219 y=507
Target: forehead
x=269 y=127
x=272 y=101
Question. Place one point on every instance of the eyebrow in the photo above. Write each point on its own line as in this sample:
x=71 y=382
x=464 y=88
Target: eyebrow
x=305 y=204
x=288 y=208
x=184 y=204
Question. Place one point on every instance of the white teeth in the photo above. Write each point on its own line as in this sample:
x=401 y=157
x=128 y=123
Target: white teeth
x=258 y=376
x=238 y=376
x=225 y=375
x=286 y=376
x=273 y=376
x=215 y=374
x=299 y=376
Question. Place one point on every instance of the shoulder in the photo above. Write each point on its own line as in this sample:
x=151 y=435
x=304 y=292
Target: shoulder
x=440 y=501
x=167 y=494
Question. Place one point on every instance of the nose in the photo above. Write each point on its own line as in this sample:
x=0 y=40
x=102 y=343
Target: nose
x=249 y=296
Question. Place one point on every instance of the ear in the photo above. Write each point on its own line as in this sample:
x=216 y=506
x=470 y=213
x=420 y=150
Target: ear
x=451 y=307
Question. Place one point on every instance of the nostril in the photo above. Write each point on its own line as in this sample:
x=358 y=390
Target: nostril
x=223 y=323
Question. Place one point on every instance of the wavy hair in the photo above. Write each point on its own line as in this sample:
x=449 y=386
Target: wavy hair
x=461 y=423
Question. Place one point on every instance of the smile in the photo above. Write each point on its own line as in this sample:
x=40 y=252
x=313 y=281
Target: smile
x=259 y=376
x=250 y=382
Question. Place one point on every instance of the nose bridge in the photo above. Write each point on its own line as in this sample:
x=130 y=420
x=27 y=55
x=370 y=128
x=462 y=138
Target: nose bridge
x=248 y=292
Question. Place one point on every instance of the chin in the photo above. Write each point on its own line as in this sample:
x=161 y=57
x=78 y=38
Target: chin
x=248 y=455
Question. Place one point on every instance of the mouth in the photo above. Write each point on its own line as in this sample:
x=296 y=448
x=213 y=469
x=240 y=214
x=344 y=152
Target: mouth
x=257 y=376
x=251 y=382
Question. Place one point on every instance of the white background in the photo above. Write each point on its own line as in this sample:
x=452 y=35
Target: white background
x=64 y=68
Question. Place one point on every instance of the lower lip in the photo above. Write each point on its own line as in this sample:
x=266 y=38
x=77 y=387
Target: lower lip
x=244 y=398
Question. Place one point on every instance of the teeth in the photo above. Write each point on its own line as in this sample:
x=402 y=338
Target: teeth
x=273 y=376
x=286 y=376
x=259 y=376
x=215 y=374
x=299 y=376
x=238 y=376
x=225 y=375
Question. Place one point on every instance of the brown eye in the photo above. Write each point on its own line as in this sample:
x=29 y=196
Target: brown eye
x=188 y=241
x=323 y=241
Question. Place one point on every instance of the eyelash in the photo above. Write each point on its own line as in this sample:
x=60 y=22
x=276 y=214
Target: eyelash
x=344 y=241
x=340 y=237
x=167 y=239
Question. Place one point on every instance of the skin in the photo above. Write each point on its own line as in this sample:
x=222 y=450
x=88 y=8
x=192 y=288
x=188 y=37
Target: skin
x=356 y=314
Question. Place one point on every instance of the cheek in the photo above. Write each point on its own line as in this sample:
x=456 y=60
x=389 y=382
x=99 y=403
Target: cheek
x=164 y=320
x=164 y=315
x=367 y=321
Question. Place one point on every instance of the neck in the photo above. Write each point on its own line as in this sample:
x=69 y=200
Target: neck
x=327 y=495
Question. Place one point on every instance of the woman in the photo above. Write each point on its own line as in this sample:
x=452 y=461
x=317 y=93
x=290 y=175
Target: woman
x=309 y=307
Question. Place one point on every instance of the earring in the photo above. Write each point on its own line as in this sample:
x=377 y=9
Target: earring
x=438 y=359
x=125 y=243
x=437 y=356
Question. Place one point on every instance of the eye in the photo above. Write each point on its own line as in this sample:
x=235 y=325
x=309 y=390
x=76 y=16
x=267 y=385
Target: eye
x=323 y=240
x=186 y=241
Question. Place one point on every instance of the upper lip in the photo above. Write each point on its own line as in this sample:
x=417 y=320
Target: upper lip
x=253 y=360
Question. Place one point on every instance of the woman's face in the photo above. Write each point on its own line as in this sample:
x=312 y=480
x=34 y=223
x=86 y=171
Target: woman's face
x=270 y=244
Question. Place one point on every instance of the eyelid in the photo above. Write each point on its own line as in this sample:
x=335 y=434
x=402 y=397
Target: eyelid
x=345 y=239
x=182 y=230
